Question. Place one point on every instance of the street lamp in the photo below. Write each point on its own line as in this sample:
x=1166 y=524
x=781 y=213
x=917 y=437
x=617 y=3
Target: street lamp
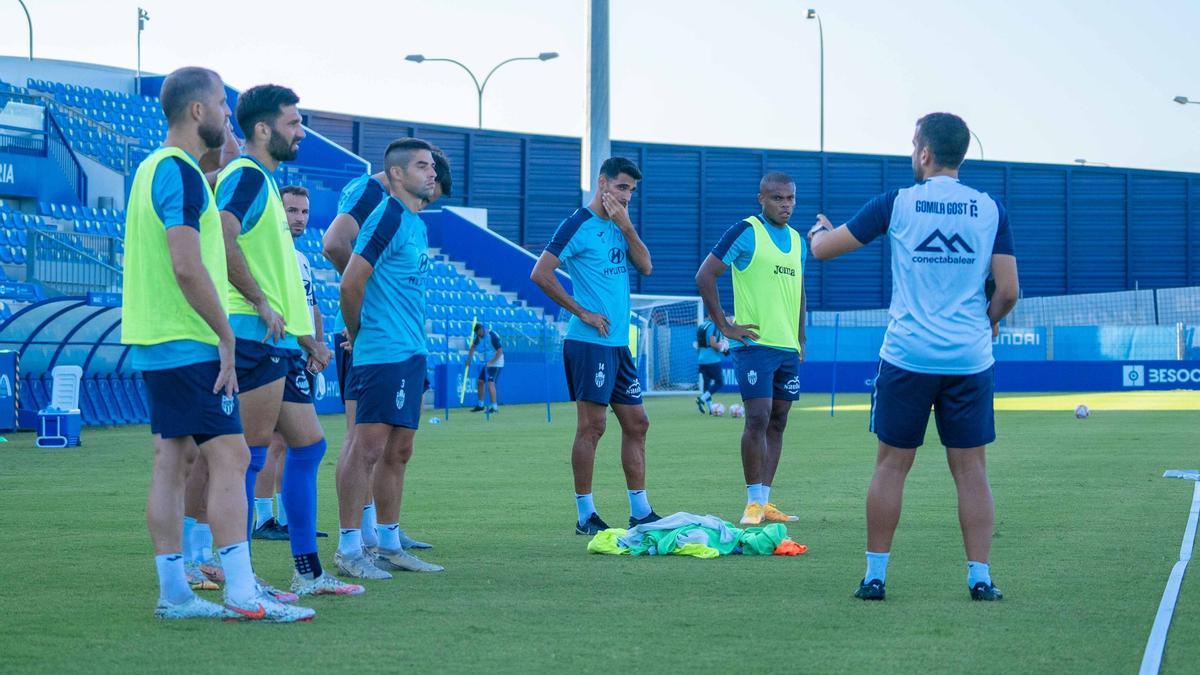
x=812 y=14
x=544 y=56
x=1183 y=100
x=143 y=17
x=977 y=142
x=30 y=22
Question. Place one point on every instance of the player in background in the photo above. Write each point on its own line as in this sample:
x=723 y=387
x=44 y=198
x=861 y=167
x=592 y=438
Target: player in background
x=272 y=321
x=489 y=373
x=946 y=240
x=383 y=305
x=298 y=388
x=767 y=257
x=174 y=316
x=711 y=347
x=358 y=199
x=593 y=245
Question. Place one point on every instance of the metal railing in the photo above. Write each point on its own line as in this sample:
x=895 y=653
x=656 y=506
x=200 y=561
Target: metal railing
x=74 y=264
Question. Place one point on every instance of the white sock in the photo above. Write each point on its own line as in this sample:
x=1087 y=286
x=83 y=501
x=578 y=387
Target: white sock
x=350 y=542
x=202 y=542
x=389 y=535
x=765 y=491
x=706 y=397
x=754 y=493
x=369 y=537
x=262 y=510
x=172 y=582
x=240 y=585
x=584 y=506
x=280 y=512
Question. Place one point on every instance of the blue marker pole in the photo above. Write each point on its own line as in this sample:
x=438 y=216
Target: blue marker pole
x=837 y=320
x=546 y=366
x=446 y=377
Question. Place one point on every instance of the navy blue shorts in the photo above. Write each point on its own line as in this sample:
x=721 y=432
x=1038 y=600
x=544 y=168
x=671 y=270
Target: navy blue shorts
x=345 y=365
x=601 y=374
x=182 y=403
x=389 y=393
x=259 y=364
x=767 y=372
x=298 y=386
x=713 y=376
x=489 y=374
x=962 y=407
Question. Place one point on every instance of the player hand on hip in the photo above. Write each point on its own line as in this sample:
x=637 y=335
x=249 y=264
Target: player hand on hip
x=274 y=320
x=597 y=321
x=227 y=377
x=741 y=332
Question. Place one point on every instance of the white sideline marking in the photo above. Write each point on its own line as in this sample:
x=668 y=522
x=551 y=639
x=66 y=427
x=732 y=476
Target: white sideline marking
x=1152 y=658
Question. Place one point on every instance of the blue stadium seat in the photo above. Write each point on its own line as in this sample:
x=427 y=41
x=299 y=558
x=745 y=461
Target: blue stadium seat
x=136 y=405
x=140 y=385
x=124 y=405
x=87 y=407
x=6 y=255
x=100 y=404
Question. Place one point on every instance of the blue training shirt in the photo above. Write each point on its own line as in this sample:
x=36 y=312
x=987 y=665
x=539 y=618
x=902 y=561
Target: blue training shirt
x=243 y=193
x=707 y=355
x=392 y=324
x=180 y=195
x=360 y=197
x=593 y=252
x=943 y=236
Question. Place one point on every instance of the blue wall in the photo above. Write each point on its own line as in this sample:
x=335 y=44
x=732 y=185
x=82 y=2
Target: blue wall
x=1078 y=229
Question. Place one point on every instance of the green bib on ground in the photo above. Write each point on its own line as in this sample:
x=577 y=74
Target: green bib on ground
x=769 y=292
x=271 y=256
x=153 y=308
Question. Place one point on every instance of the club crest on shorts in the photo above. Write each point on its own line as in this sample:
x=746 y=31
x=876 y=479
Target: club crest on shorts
x=752 y=377
x=226 y=405
x=302 y=384
x=634 y=390
x=400 y=395
x=274 y=359
x=793 y=385
x=599 y=375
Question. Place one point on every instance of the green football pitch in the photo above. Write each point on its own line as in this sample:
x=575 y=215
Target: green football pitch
x=1086 y=534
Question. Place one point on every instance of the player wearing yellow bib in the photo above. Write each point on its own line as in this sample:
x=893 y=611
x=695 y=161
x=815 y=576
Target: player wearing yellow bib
x=272 y=321
x=173 y=316
x=767 y=257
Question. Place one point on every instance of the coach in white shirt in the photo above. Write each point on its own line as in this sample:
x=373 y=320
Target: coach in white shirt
x=946 y=239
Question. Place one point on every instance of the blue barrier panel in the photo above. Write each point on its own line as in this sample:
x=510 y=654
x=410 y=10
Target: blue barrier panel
x=1020 y=344
x=327 y=391
x=8 y=390
x=1106 y=343
x=520 y=382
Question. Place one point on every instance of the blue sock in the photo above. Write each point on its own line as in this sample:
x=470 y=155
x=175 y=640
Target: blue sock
x=978 y=572
x=189 y=526
x=299 y=487
x=584 y=506
x=258 y=458
x=765 y=493
x=639 y=505
x=754 y=493
x=876 y=567
x=202 y=542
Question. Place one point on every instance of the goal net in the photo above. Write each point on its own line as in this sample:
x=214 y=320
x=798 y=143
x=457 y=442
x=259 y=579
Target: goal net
x=665 y=328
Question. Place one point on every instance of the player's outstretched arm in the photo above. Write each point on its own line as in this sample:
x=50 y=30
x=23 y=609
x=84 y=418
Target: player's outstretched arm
x=827 y=243
x=240 y=277
x=201 y=294
x=638 y=253
x=338 y=242
x=354 y=284
x=1008 y=289
x=543 y=275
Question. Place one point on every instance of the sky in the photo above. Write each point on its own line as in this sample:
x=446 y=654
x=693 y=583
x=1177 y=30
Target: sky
x=1038 y=81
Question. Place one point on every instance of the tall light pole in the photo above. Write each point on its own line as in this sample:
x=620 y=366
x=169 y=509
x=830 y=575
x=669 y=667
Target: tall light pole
x=30 y=22
x=595 y=145
x=479 y=87
x=143 y=17
x=977 y=142
x=1181 y=100
x=812 y=14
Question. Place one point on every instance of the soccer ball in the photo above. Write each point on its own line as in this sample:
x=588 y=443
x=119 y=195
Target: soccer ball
x=736 y=410
x=1082 y=412
x=717 y=409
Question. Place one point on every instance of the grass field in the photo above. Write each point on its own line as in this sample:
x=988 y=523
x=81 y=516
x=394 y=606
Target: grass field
x=1086 y=534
